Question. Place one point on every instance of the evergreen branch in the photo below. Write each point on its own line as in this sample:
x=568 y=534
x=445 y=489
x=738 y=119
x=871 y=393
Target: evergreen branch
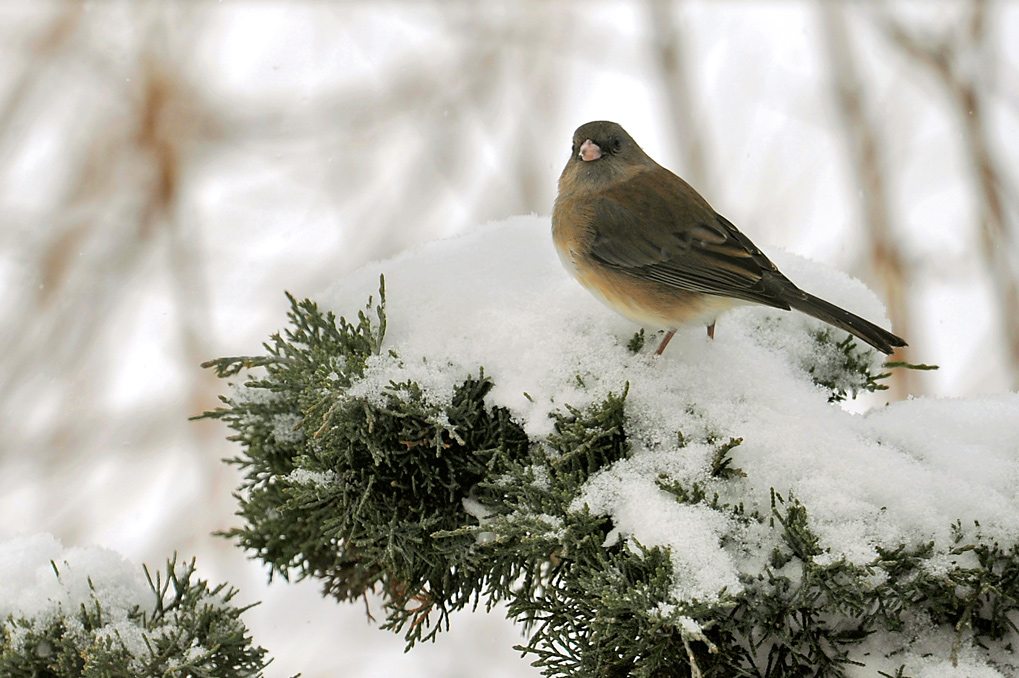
x=441 y=501
x=189 y=630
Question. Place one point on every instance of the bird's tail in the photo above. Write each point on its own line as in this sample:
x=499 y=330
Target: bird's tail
x=879 y=338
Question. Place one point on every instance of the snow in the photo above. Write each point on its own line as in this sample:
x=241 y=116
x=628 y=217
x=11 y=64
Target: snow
x=302 y=476
x=628 y=492
x=32 y=590
x=286 y=429
x=498 y=299
x=966 y=667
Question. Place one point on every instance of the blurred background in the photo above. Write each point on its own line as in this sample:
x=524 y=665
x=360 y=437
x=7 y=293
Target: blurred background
x=167 y=169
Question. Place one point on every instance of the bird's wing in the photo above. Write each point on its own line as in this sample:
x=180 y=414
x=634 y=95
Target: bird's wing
x=658 y=228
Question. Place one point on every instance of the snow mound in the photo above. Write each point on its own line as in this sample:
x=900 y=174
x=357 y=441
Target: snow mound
x=498 y=299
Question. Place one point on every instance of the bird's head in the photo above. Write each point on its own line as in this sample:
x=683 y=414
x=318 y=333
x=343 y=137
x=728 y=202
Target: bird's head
x=602 y=154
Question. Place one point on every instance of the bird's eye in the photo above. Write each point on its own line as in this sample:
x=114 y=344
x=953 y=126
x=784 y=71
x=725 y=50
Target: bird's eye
x=615 y=144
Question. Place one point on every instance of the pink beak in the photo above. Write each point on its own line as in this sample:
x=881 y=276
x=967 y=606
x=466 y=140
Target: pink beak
x=589 y=151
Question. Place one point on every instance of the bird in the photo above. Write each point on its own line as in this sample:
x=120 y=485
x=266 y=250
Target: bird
x=645 y=243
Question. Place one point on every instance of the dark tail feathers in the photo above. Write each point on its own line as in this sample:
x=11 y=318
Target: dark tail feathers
x=879 y=338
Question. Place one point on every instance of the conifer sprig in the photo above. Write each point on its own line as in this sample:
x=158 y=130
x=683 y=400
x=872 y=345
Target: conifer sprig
x=187 y=630
x=441 y=501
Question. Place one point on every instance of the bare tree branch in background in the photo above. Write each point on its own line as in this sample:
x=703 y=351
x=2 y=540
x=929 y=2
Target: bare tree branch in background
x=869 y=165
x=961 y=67
x=542 y=76
x=676 y=85
x=450 y=103
x=99 y=244
x=43 y=51
x=140 y=126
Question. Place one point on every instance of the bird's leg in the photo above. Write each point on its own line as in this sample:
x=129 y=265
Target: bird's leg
x=711 y=330
x=665 y=342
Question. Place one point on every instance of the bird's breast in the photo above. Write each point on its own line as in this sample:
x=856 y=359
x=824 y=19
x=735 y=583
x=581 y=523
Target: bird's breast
x=643 y=301
x=571 y=230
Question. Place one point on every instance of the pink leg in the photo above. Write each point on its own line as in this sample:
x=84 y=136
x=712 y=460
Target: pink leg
x=665 y=342
x=711 y=330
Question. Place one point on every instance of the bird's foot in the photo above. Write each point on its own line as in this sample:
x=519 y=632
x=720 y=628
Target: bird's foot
x=665 y=342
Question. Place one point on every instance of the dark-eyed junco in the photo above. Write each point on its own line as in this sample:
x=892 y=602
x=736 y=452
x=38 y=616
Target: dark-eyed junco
x=649 y=246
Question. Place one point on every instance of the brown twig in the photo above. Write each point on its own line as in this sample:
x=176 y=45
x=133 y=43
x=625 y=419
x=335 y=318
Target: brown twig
x=946 y=60
x=676 y=85
x=869 y=164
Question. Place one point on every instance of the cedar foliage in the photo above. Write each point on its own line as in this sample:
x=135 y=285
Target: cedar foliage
x=188 y=630
x=440 y=502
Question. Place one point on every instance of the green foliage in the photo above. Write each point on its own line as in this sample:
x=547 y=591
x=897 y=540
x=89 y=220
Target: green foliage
x=636 y=343
x=721 y=462
x=604 y=615
x=377 y=477
x=438 y=501
x=807 y=609
x=190 y=631
x=978 y=595
x=844 y=367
